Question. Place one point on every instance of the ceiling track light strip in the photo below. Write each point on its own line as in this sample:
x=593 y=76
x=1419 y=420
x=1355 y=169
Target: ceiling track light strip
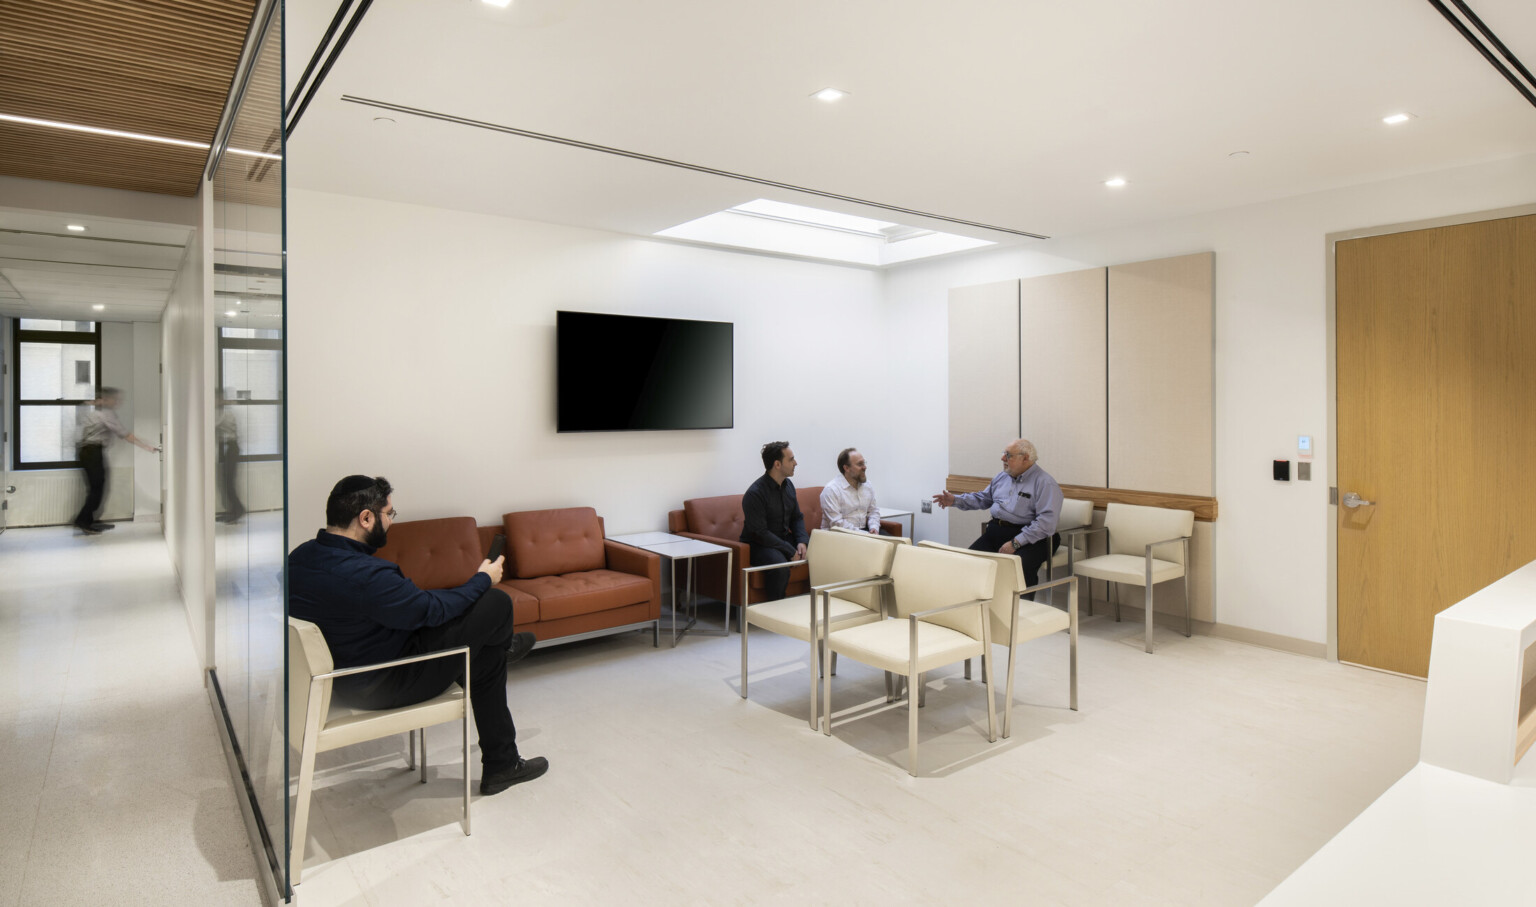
x=314 y=58
x=1497 y=54
x=697 y=168
x=255 y=38
x=325 y=69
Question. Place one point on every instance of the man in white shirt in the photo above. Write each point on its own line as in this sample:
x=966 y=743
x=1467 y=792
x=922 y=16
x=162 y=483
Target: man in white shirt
x=848 y=500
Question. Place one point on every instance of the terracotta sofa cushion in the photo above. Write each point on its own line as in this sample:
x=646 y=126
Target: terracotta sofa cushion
x=586 y=592
x=435 y=554
x=553 y=542
x=719 y=516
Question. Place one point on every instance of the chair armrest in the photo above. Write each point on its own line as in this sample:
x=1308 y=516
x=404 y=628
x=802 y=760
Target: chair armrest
x=874 y=580
x=1085 y=530
x=916 y=615
x=746 y=570
x=979 y=604
x=1038 y=586
x=622 y=558
x=363 y=669
x=892 y=527
x=1177 y=538
x=827 y=589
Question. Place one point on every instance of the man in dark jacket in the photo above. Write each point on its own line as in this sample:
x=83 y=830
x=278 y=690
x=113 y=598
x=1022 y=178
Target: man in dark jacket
x=774 y=526
x=369 y=613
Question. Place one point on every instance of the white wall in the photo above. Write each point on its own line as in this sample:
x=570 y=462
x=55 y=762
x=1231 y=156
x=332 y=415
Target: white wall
x=187 y=351
x=422 y=349
x=146 y=419
x=1271 y=364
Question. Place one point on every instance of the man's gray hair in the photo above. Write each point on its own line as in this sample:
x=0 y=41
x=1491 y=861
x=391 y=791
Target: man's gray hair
x=1028 y=450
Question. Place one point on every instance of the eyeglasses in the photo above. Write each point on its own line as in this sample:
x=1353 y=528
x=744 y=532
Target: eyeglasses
x=1008 y=454
x=392 y=513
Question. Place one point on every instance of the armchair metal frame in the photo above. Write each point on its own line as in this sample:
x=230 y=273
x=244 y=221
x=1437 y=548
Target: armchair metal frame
x=1115 y=586
x=1070 y=581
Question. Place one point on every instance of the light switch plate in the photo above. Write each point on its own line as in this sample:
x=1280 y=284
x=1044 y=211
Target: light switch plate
x=1303 y=471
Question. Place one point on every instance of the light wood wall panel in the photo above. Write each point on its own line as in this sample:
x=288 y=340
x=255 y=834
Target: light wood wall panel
x=983 y=386
x=1062 y=399
x=1161 y=375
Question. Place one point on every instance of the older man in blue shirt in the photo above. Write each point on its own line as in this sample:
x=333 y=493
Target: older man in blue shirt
x=1025 y=503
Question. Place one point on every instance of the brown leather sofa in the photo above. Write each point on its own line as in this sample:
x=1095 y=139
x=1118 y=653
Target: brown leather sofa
x=719 y=520
x=566 y=581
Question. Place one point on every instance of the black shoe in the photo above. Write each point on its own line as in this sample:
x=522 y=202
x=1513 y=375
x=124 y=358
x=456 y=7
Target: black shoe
x=494 y=782
x=88 y=530
x=522 y=644
x=103 y=527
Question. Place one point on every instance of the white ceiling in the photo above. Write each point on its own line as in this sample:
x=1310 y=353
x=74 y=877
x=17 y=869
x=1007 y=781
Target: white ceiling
x=126 y=266
x=1007 y=113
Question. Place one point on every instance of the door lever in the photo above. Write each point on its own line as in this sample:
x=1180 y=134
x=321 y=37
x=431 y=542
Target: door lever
x=1352 y=500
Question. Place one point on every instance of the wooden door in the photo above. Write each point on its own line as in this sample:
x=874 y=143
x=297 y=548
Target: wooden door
x=1436 y=426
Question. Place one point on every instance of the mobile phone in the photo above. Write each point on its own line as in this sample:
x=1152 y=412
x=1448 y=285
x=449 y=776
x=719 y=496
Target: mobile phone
x=498 y=544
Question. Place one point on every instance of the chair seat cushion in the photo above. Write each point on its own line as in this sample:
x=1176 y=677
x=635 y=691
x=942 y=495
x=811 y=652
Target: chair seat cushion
x=1036 y=620
x=1059 y=559
x=347 y=725
x=587 y=592
x=884 y=645
x=1127 y=568
x=791 y=616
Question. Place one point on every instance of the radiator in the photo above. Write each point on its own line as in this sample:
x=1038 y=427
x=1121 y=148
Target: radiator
x=52 y=497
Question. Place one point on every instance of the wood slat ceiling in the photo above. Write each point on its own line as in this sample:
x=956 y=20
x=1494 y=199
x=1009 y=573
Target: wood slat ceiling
x=158 y=67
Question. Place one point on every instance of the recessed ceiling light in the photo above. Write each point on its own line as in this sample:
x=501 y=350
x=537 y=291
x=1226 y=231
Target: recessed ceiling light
x=74 y=228
x=499 y=4
x=99 y=308
x=1115 y=183
x=230 y=313
x=830 y=94
x=387 y=121
x=1396 y=118
x=1237 y=154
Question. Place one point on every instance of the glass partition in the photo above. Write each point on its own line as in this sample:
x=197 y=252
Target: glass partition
x=246 y=407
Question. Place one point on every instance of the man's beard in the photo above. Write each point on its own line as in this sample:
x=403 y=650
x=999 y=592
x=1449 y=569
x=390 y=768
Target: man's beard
x=377 y=535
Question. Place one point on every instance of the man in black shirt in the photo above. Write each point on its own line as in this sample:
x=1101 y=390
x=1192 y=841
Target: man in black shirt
x=774 y=526
x=369 y=612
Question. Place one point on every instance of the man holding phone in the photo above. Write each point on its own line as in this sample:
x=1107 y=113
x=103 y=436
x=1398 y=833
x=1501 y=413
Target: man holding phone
x=369 y=612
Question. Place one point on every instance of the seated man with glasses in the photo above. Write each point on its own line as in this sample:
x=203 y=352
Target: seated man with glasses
x=1025 y=503
x=369 y=613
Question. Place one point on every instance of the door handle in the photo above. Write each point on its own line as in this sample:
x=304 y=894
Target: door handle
x=1352 y=500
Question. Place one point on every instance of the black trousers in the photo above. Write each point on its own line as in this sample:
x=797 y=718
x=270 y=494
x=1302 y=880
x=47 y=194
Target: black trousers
x=93 y=461
x=229 y=462
x=774 y=581
x=487 y=629
x=995 y=532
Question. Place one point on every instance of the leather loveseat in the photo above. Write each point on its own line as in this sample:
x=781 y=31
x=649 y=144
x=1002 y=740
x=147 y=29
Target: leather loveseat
x=719 y=520
x=565 y=580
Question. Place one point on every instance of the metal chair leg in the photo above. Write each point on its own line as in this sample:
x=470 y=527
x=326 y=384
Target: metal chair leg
x=1114 y=591
x=1150 y=609
x=1188 y=626
x=423 y=733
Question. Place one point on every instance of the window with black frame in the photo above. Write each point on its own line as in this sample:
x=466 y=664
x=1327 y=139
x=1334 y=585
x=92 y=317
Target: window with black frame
x=57 y=375
x=250 y=377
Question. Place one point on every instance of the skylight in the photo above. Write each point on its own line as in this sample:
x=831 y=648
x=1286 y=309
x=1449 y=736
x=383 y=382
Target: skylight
x=769 y=226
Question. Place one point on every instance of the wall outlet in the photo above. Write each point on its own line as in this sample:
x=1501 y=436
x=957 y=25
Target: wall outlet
x=927 y=506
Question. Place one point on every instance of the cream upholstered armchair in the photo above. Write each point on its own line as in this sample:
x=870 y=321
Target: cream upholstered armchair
x=837 y=559
x=317 y=725
x=1147 y=545
x=939 y=602
x=1017 y=620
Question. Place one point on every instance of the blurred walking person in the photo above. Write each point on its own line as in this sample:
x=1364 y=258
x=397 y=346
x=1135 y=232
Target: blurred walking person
x=97 y=430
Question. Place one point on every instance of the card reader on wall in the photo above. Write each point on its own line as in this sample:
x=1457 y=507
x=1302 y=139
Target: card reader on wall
x=1282 y=470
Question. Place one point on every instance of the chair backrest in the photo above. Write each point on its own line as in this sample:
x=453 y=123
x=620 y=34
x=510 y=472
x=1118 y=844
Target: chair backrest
x=1006 y=586
x=888 y=539
x=925 y=577
x=810 y=505
x=308 y=655
x=837 y=556
x=1074 y=514
x=435 y=554
x=1133 y=527
x=718 y=517
x=552 y=542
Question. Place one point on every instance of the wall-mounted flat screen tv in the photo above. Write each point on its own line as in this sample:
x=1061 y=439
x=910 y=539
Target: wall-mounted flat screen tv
x=631 y=373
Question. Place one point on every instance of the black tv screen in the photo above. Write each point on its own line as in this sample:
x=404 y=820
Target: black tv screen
x=629 y=373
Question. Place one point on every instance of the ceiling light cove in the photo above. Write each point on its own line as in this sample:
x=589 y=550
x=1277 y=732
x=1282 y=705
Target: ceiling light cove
x=1116 y=182
x=499 y=4
x=74 y=228
x=830 y=94
x=1396 y=118
x=99 y=307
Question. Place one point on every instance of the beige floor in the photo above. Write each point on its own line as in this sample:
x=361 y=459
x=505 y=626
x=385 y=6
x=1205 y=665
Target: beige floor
x=1200 y=775
x=113 y=785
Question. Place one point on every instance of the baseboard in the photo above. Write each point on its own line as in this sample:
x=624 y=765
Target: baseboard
x=1261 y=638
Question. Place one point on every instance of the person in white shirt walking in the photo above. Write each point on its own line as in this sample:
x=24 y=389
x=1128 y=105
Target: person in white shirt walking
x=849 y=500
x=97 y=430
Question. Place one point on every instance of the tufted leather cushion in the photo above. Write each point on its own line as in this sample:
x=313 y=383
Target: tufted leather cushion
x=551 y=542
x=584 y=593
x=810 y=505
x=435 y=554
x=719 y=516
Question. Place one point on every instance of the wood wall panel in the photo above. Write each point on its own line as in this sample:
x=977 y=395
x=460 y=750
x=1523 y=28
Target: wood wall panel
x=1161 y=375
x=983 y=375
x=1062 y=380
x=1204 y=508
